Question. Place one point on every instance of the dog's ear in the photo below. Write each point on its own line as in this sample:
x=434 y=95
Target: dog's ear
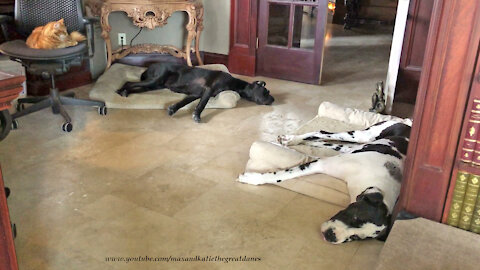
x=371 y=195
x=384 y=234
x=261 y=83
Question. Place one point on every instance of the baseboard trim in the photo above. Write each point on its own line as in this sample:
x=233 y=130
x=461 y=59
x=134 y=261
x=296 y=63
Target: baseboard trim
x=145 y=59
x=215 y=58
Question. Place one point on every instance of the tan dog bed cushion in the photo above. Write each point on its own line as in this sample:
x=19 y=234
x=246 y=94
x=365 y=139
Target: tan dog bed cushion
x=106 y=86
x=270 y=156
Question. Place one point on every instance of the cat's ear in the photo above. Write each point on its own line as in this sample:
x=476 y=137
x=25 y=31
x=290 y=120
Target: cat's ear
x=58 y=23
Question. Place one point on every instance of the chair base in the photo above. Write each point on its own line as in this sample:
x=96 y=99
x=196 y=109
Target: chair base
x=56 y=102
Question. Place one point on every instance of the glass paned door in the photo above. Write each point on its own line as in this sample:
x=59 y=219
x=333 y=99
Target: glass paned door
x=291 y=34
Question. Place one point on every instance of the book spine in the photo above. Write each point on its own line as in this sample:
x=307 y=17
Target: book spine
x=469 y=154
x=475 y=226
x=469 y=202
x=457 y=199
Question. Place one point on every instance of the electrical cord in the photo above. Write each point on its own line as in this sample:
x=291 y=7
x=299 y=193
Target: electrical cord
x=134 y=37
x=131 y=41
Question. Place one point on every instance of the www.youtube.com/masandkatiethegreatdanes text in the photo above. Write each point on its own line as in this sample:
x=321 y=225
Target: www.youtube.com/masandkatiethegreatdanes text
x=175 y=259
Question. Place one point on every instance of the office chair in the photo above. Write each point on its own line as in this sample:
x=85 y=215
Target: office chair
x=49 y=63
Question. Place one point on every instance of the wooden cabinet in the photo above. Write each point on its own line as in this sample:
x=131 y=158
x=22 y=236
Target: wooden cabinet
x=451 y=54
x=8 y=259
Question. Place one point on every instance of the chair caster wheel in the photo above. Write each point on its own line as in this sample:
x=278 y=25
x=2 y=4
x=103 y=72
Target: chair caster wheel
x=102 y=110
x=14 y=124
x=67 y=127
x=20 y=107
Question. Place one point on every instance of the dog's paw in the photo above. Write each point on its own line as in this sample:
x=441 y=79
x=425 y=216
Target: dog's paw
x=123 y=92
x=171 y=110
x=250 y=178
x=196 y=118
x=287 y=140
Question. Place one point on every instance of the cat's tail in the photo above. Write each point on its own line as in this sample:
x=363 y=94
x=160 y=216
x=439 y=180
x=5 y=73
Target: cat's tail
x=76 y=36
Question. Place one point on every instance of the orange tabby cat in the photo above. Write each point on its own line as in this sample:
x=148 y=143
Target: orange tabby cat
x=53 y=35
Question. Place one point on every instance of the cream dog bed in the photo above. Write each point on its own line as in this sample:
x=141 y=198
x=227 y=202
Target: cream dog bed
x=106 y=85
x=266 y=156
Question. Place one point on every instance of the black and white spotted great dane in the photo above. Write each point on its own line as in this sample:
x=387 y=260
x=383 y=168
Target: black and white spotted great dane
x=370 y=162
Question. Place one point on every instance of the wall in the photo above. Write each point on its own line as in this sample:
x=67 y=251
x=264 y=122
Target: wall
x=383 y=10
x=215 y=37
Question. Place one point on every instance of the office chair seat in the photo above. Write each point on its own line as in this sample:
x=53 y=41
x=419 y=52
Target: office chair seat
x=19 y=49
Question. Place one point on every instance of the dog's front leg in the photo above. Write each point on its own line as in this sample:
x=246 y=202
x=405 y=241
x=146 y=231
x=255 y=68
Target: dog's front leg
x=207 y=93
x=172 y=109
x=313 y=167
x=137 y=87
x=355 y=136
x=339 y=147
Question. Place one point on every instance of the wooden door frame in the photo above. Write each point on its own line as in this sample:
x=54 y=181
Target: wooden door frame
x=243 y=37
x=447 y=72
x=409 y=69
x=398 y=40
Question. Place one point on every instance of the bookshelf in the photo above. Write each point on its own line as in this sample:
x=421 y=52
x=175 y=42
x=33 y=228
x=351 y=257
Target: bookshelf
x=460 y=165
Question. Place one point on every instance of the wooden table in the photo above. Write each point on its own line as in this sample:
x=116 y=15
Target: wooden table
x=10 y=88
x=151 y=14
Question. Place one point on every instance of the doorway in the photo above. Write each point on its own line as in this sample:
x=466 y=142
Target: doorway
x=290 y=39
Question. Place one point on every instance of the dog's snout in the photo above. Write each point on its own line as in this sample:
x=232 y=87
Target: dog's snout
x=330 y=235
x=270 y=101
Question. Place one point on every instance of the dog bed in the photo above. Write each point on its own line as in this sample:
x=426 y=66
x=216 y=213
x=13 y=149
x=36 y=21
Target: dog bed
x=271 y=156
x=118 y=74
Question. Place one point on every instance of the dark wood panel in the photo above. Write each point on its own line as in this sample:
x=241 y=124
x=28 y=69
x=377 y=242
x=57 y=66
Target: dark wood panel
x=416 y=32
x=146 y=59
x=340 y=10
x=243 y=37
x=6 y=6
x=450 y=56
x=300 y=68
x=75 y=77
x=241 y=19
x=8 y=259
x=215 y=58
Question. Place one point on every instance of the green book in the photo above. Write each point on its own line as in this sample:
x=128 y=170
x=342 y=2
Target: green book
x=457 y=199
x=475 y=226
x=469 y=202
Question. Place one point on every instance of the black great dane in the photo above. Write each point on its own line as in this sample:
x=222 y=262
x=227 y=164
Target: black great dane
x=196 y=83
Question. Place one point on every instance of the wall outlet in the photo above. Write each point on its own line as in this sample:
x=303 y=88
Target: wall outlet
x=122 y=39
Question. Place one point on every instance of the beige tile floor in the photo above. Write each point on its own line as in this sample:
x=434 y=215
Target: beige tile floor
x=137 y=182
